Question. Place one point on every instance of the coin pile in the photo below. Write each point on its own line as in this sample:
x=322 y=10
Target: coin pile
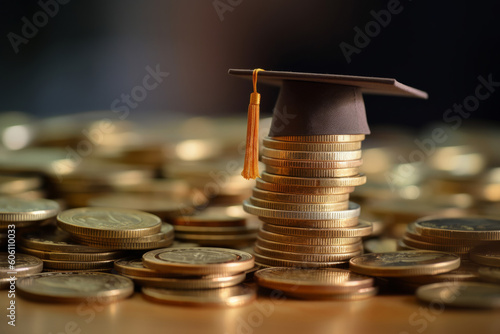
x=60 y=253
x=23 y=214
x=115 y=229
x=303 y=200
x=317 y=283
x=216 y=229
x=454 y=235
x=15 y=266
x=211 y=274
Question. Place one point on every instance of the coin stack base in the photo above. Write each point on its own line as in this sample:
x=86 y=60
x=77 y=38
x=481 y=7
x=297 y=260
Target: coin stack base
x=303 y=201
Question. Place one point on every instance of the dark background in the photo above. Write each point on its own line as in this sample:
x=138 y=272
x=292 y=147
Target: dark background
x=92 y=51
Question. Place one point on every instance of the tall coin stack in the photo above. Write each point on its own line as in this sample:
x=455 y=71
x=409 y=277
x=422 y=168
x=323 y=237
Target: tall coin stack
x=303 y=200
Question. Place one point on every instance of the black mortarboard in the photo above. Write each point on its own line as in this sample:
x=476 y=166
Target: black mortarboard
x=320 y=104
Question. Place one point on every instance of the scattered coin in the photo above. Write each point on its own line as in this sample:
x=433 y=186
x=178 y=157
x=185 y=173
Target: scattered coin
x=21 y=210
x=404 y=263
x=488 y=254
x=109 y=222
x=474 y=228
x=19 y=264
x=198 y=261
x=75 y=287
x=461 y=294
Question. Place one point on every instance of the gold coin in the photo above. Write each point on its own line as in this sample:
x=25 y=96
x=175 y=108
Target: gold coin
x=75 y=287
x=333 y=223
x=471 y=228
x=270 y=186
x=85 y=257
x=323 y=207
x=306 y=257
x=272 y=262
x=298 y=198
x=306 y=172
x=229 y=297
x=22 y=210
x=363 y=229
x=77 y=265
x=109 y=222
x=188 y=282
x=461 y=294
x=321 y=138
x=413 y=234
x=351 y=212
x=490 y=274
x=302 y=155
x=307 y=240
x=19 y=265
x=487 y=254
x=312 y=281
x=356 y=295
x=468 y=271
x=198 y=261
x=208 y=219
x=311 y=164
x=308 y=249
x=54 y=240
x=404 y=263
x=158 y=205
x=313 y=147
x=315 y=182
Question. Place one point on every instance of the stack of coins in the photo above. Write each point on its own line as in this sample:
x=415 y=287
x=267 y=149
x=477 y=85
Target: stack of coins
x=60 y=253
x=454 y=235
x=163 y=271
x=318 y=283
x=17 y=214
x=115 y=229
x=303 y=200
x=16 y=265
x=209 y=228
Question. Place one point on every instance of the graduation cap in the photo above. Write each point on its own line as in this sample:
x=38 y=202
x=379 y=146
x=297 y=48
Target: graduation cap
x=311 y=104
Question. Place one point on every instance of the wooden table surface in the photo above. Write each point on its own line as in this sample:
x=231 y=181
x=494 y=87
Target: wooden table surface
x=382 y=314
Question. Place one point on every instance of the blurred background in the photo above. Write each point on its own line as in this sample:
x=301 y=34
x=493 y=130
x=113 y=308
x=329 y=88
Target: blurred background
x=91 y=52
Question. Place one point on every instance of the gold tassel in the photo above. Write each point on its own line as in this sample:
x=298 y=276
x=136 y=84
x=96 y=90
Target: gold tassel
x=251 y=166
